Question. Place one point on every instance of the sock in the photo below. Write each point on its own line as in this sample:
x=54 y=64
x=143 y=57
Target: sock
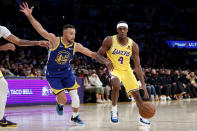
x=74 y=114
x=114 y=108
x=61 y=105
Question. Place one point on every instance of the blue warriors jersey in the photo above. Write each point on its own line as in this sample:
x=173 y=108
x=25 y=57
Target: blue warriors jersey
x=59 y=59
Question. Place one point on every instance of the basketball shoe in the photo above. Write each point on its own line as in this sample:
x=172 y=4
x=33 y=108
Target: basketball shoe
x=59 y=109
x=76 y=120
x=6 y=123
x=144 y=122
x=114 y=116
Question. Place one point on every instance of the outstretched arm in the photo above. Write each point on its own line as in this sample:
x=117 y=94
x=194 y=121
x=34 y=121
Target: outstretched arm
x=80 y=48
x=100 y=57
x=6 y=34
x=37 y=26
x=14 y=39
x=138 y=68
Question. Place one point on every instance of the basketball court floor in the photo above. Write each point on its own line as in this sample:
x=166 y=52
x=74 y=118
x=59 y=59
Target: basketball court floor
x=180 y=115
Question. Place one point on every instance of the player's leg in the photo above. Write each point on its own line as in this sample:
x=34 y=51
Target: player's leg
x=58 y=89
x=75 y=107
x=61 y=101
x=139 y=102
x=131 y=85
x=72 y=85
x=3 y=99
x=115 y=94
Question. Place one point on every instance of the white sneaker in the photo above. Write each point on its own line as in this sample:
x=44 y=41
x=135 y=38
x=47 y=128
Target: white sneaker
x=144 y=122
x=99 y=101
x=104 y=101
x=163 y=98
x=168 y=98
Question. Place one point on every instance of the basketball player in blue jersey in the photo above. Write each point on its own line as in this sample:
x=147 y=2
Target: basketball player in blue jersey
x=119 y=49
x=59 y=72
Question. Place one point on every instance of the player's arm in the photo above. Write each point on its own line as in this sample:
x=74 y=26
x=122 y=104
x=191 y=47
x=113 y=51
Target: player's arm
x=7 y=47
x=20 y=42
x=138 y=68
x=80 y=48
x=37 y=26
x=100 y=57
x=6 y=34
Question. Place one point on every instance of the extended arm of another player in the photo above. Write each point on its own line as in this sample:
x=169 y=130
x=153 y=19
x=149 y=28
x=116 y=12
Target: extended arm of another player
x=20 y=42
x=80 y=48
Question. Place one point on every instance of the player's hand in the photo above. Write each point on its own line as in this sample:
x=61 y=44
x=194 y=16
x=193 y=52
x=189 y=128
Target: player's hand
x=109 y=65
x=143 y=87
x=8 y=46
x=25 y=9
x=43 y=44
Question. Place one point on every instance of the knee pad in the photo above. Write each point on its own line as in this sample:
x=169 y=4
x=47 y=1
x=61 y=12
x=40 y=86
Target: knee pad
x=75 y=98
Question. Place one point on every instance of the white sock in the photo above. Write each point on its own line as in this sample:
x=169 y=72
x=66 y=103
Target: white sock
x=114 y=108
x=74 y=114
x=3 y=96
x=61 y=104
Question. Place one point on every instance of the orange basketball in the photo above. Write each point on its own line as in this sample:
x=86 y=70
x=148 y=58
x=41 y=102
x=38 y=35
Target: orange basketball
x=147 y=110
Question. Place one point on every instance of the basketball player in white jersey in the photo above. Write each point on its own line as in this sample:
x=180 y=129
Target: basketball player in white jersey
x=6 y=34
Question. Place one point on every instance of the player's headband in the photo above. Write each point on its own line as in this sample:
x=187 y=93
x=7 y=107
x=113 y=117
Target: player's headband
x=122 y=24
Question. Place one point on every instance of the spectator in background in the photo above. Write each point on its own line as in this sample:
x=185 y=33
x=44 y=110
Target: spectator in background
x=186 y=84
x=192 y=84
x=193 y=81
x=150 y=85
x=103 y=77
x=177 y=85
x=165 y=84
x=168 y=84
x=95 y=81
x=88 y=88
x=38 y=73
x=156 y=83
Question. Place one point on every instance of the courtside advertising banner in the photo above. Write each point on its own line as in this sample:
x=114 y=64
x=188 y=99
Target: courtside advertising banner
x=31 y=91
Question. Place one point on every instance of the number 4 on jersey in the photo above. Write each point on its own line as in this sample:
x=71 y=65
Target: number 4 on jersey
x=120 y=60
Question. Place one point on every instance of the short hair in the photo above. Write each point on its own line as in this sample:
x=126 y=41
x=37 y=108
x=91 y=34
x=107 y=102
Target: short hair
x=68 y=26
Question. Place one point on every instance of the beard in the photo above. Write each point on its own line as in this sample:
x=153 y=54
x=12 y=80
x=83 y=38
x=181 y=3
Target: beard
x=70 y=41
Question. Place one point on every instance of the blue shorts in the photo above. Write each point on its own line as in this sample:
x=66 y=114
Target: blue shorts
x=59 y=84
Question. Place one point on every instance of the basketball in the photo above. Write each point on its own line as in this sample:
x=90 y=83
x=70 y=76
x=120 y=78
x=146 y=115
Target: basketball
x=147 y=110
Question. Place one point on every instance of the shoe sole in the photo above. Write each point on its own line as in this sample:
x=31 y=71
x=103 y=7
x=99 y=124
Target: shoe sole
x=115 y=123
x=9 y=126
x=76 y=124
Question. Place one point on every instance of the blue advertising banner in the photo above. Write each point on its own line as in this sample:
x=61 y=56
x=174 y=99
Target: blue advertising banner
x=182 y=44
